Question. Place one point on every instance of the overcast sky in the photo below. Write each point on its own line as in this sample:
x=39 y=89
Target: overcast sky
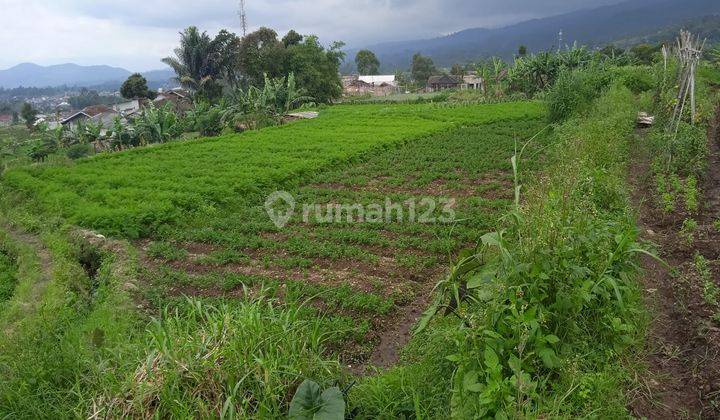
x=135 y=34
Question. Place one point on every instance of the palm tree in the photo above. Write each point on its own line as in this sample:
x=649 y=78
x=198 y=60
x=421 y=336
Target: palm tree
x=196 y=61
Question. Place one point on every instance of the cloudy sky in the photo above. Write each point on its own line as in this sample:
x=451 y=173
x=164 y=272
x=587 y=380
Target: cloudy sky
x=135 y=34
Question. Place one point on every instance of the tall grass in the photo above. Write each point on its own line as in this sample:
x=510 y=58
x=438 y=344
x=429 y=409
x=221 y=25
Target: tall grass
x=242 y=359
x=549 y=304
x=88 y=353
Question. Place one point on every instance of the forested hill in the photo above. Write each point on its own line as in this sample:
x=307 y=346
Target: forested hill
x=627 y=20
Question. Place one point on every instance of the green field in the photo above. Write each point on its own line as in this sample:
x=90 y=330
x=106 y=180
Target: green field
x=135 y=193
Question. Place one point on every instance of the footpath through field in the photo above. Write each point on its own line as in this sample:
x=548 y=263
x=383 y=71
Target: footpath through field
x=683 y=344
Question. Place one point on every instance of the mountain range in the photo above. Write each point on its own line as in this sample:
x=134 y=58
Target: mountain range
x=595 y=27
x=33 y=75
x=629 y=22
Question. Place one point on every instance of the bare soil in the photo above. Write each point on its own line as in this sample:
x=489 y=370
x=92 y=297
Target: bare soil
x=682 y=379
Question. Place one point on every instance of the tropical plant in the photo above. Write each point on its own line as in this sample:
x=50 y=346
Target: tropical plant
x=197 y=63
x=41 y=149
x=85 y=132
x=121 y=135
x=538 y=72
x=158 y=125
x=206 y=118
x=253 y=108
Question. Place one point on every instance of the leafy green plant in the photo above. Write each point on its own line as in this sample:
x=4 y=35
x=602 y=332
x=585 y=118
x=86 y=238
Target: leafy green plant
x=687 y=232
x=312 y=403
x=530 y=297
x=206 y=118
x=575 y=91
x=238 y=162
x=257 y=108
x=158 y=125
x=166 y=251
x=691 y=194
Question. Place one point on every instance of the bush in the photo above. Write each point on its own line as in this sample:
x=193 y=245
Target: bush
x=206 y=119
x=638 y=79
x=575 y=92
x=684 y=153
x=78 y=151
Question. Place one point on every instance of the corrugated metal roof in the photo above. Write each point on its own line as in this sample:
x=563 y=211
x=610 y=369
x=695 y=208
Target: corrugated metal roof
x=379 y=79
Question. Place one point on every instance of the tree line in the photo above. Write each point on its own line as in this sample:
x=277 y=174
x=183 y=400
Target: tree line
x=214 y=66
x=422 y=67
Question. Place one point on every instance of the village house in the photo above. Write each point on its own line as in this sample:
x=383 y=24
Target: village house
x=5 y=120
x=443 y=82
x=473 y=82
x=93 y=114
x=179 y=98
x=128 y=107
x=380 y=85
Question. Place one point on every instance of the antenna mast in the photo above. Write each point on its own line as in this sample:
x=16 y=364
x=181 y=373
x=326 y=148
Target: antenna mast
x=560 y=40
x=243 y=17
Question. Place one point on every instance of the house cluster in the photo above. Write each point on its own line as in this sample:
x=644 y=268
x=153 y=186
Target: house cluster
x=373 y=85
x=127 y=111
x=385 y=85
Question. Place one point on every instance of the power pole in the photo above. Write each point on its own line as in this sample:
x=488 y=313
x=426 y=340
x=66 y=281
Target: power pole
x=243 y=17
x=560 y=40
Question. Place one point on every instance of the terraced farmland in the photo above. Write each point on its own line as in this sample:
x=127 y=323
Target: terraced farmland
x=375 y=277
x=136 y=193
x=339 y=294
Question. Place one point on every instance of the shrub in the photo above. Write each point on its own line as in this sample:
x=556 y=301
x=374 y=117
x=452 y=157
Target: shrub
x=206 y=119
x=575 y=91
x=638 y=79
x=684 y=153
x=78 y=151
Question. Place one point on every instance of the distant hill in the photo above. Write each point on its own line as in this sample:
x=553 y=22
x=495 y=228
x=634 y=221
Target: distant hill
x=33 y=75
x=707 y=27
x=594 y=27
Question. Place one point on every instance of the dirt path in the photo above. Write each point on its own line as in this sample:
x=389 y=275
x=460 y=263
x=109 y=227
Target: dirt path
x=683 y=345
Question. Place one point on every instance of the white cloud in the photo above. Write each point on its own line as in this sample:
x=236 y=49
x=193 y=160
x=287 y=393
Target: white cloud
x=33 y=32
x=135 y=34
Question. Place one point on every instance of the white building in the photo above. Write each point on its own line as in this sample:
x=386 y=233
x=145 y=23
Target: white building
x=388 y=80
